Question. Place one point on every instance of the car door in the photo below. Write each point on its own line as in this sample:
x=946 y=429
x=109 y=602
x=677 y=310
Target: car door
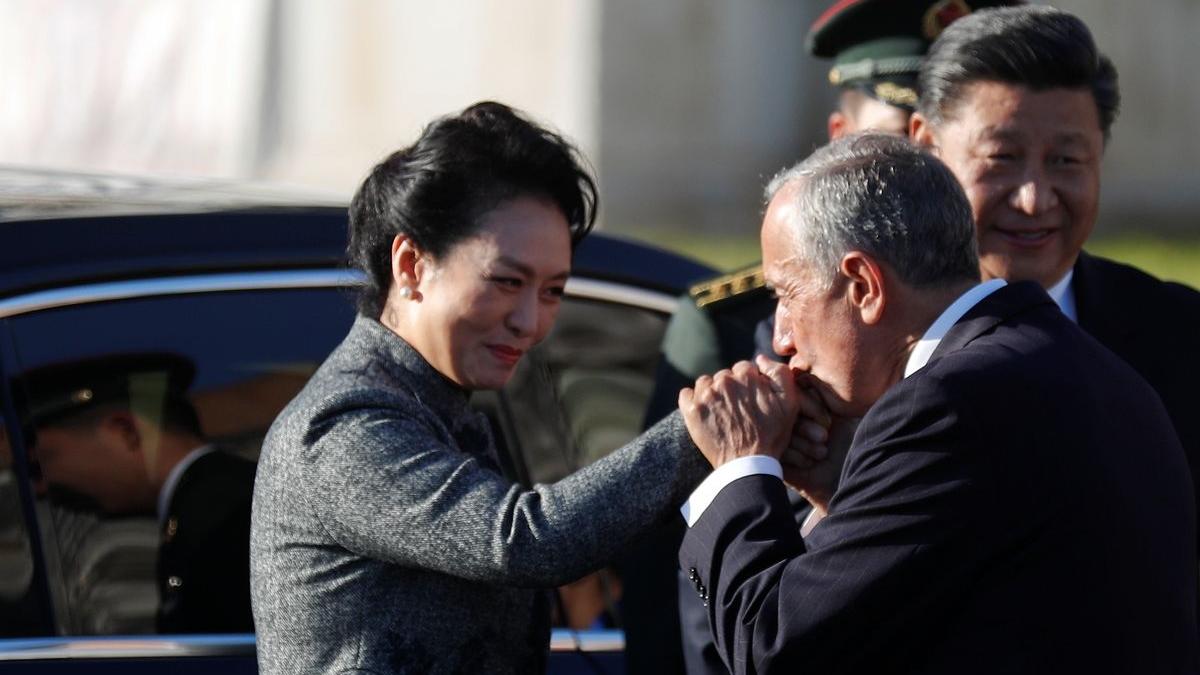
x=84 y=593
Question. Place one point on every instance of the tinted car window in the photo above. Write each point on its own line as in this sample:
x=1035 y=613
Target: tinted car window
x=20 y=610
x=580 y=395
x=583 y=392
x=233 y=359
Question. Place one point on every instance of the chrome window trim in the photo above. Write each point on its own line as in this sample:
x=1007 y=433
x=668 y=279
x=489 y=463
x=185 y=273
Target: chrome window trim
x=610 y=291
x=241 y=644
x=592 y=289
x=126 y=647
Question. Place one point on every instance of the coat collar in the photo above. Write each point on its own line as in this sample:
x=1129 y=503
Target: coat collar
x=404 y=364
x=1090 y=288
x=991 y=311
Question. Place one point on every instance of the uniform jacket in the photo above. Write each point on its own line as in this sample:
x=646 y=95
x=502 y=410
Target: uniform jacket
x=203 y=558
x=385 y=540
x=1153 y=325
x=1019 y=505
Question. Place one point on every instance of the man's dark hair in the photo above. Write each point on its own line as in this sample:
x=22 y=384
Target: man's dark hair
x=437 y=189
x=1036 y=47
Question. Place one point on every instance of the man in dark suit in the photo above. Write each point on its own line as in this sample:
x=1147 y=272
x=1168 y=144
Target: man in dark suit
x=1014 y=496
x=118 y=434
x=875 y=47
x=1019 y=104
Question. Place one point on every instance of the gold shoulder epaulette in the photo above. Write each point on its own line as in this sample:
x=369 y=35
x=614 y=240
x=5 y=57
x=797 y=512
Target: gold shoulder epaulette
x=727 y=286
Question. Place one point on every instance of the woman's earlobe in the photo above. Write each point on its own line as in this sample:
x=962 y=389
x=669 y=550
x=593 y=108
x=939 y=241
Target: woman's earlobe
x=406 y=263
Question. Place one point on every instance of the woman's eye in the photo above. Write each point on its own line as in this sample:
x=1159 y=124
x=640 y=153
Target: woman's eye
x=556 y=292
x=506 y=282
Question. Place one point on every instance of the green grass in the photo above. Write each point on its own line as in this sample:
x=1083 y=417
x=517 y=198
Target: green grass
x=1171 y=258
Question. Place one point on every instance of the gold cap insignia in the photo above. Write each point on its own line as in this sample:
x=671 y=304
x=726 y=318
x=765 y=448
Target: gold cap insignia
x=890 y=92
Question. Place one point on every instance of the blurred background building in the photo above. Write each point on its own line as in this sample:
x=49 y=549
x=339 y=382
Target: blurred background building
x=683 y=106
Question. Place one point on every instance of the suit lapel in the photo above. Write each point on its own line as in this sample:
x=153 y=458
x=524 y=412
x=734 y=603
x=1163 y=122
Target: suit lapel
x=1089 y=289
x=989 y=312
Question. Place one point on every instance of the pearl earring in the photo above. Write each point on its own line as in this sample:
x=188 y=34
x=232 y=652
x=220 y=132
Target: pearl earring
x=406 y=292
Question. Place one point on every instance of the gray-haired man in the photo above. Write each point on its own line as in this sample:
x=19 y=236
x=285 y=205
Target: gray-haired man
x=973 y=529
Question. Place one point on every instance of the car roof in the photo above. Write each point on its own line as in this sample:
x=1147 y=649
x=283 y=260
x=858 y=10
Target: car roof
x=64 y=229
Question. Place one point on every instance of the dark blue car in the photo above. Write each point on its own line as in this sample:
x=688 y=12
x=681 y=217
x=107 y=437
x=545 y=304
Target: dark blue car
x=249 y=286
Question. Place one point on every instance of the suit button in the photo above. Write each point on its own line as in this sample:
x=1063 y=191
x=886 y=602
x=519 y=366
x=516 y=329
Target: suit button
x=171 y=529
x=174 y=581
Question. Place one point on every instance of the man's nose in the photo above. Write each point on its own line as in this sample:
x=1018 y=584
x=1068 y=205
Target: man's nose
x=1035 y=194
x=781 y=336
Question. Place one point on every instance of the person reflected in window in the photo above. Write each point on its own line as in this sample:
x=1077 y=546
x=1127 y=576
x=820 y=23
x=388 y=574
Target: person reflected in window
x=385 y=537
x=118 y=434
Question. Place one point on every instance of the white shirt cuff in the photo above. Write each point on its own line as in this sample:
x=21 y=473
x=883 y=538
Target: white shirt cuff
x=728 y=472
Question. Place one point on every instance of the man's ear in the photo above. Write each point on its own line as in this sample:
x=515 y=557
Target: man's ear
x=866 y=291
x=837 y=125
x=920 y=132
x=122 y=426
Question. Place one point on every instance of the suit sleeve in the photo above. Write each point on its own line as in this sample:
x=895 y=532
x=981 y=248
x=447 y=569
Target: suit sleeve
x=384 y=486
x=901 y=540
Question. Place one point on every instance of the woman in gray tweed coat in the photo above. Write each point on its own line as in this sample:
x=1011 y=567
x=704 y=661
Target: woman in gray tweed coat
x=384 y=537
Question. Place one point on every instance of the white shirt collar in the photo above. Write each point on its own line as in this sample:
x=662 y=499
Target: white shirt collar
x=1063 y=295
x=168 y=488
x=950 y=316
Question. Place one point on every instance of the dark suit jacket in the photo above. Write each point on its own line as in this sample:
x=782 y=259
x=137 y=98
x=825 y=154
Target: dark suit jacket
x=1155 y=327
x=204 y=557
x=1018 y=505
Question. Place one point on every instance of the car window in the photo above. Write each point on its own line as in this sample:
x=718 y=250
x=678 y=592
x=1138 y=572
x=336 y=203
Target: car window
x=20 y=609
x=242 y=356
x=580 y=395
x=133 y=401
x=583 y=392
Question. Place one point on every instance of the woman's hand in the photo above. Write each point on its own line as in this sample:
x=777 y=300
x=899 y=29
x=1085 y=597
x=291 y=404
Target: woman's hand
x=747 y=410
x=813 y=469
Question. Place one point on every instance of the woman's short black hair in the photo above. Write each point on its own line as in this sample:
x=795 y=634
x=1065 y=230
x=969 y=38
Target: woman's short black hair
x=437 y=189
x=1036 y=47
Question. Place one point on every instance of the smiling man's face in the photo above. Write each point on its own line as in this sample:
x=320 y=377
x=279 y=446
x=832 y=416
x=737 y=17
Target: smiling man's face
x=1029 y=162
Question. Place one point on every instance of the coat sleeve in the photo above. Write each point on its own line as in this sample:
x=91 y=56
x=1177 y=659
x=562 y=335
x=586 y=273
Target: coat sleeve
x=902 y=538
x=384 y=485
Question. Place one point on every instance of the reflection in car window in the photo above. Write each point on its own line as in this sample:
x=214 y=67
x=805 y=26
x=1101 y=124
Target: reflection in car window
x=148 y=415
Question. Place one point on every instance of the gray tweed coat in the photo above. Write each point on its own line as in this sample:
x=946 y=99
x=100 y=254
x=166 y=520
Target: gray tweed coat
x=384 y=539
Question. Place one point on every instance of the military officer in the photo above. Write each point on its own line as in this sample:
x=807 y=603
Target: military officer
x=119 y=433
